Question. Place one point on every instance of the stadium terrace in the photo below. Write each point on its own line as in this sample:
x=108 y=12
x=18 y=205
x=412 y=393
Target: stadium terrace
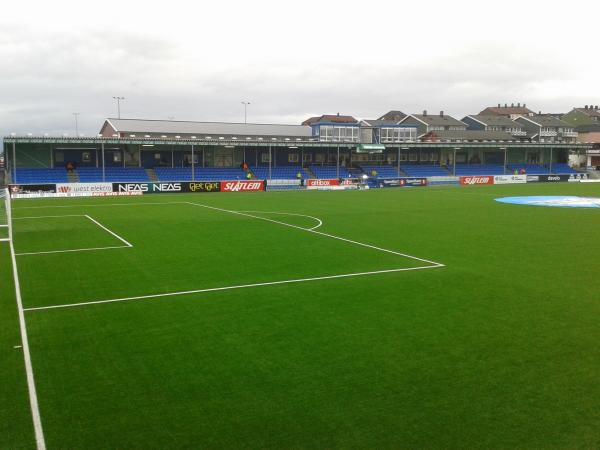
x=498 y=141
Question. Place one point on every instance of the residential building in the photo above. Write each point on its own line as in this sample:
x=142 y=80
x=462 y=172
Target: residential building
x=334 y=127
x=393 y=115
x=438 y=122
x=378 y=131
x=495 y=123
x=548 y=129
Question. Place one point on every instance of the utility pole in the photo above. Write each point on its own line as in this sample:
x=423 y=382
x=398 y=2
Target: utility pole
x=118 y=99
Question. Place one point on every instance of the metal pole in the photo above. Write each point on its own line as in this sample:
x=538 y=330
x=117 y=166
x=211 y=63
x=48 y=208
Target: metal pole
x=338 y=162
x=97 y=158
x=270 y=158
x=550 y=159
x=103 y=168
x=14 y=163
x=139 y=155
x=193 y=166
x=454 y=164
x=398 y=162
x=505 y=160
x=172 y=158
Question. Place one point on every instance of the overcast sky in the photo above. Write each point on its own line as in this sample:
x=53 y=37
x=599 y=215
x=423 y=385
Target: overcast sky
x=290 y=60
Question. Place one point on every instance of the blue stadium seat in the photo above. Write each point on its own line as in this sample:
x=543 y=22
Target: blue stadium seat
x=424 y=170
x=200 y=173
x=478 y=169
x=562 y=169
x=329 y=172
x=41 y=176
x=535 y=169
x=112 y=174
x=279 y=173
x=382 y=171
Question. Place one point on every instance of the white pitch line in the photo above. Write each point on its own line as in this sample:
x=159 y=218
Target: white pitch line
x=48 y=217
x=106 y=229
x=33 y=400
x=320 y=222
x=226 y=288
x=73 y=250
x=320 y=233
x=101 y=204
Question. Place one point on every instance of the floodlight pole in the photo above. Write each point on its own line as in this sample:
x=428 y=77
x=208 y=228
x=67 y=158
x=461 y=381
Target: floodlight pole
x=118 y=99
x=76 y=124
x=245 y=111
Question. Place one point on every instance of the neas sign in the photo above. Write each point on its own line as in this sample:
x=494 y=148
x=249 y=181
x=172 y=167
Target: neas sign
x=242 y=186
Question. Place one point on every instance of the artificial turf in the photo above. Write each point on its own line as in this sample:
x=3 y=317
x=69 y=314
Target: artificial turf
x=497 y=349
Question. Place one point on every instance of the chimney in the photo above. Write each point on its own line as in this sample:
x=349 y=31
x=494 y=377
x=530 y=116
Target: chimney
x=424 y=112
x=539 y=113
x=499 y=105
x=585 y=107
x=338 y=114
x=512 y=105
x=506 y=105
x=524 y=105
x=441 y=113
x=518 y=105
x=596 y=107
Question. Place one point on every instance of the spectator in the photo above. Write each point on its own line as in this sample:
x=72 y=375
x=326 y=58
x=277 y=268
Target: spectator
x=70 y=166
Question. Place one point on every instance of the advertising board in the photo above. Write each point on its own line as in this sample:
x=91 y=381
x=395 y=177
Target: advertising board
x=510 y=179
x=472 y=180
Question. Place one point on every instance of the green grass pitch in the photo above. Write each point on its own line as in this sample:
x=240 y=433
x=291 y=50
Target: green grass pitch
x=391 y=318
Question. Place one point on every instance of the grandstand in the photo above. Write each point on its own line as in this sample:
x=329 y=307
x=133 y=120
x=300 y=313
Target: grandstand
x=424 y=170
x=93 y=174
x=200 y=173
x=382 y=171
x=479 y=169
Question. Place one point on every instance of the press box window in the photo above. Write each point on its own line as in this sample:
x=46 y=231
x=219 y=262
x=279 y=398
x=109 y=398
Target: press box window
x=293 y=157
x=86 y=156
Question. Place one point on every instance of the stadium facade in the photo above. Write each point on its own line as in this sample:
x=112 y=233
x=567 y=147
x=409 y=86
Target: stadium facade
x=496 y=141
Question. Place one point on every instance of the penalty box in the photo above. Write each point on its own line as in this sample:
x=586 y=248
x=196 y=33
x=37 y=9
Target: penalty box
x=207 y=249
x=64 y=234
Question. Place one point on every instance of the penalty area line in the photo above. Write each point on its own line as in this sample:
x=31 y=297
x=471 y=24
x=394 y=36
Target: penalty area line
x=226 y=288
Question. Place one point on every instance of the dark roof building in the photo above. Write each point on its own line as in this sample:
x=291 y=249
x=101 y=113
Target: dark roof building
x=511 y=111
x=329 y=118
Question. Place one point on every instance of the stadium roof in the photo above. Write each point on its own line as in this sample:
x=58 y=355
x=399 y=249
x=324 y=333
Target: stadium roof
x=469 y=135
x=500 y=121
x=178 y=127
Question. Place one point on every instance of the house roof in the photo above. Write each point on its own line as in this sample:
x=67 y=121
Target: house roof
x=591 y=111
x=506 y=110
x=178 y=127
x=331 y=118
x=548 y=121
x=394 y=115
x=379 y=122
x=468 y=135
x=489 y=120
x=438 y=119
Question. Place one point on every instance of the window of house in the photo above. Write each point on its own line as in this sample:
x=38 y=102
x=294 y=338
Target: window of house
x=320 y=157
x=307 y=157
x=86 y=157
x=265 y=157
x=59 y=156
x=293 y=157
x=117 y=157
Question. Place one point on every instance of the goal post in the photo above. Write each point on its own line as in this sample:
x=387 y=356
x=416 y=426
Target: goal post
x=5 y=216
